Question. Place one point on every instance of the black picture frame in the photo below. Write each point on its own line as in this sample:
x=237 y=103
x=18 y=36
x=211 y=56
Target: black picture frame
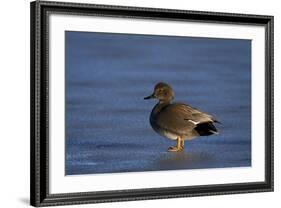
x=39 y=189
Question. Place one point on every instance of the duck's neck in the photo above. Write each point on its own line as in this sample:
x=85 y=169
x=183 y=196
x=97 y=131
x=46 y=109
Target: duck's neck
x=164 y=102
x=159 y=106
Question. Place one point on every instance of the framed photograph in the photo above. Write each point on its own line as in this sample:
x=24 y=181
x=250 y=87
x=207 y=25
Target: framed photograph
x=132 y=103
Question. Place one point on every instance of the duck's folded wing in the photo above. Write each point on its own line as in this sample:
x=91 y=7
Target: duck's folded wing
x=199 y=116
x=181 y=118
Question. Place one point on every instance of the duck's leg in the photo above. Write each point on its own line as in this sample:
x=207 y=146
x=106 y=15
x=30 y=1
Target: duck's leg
x=182 y=143
x=176 y=148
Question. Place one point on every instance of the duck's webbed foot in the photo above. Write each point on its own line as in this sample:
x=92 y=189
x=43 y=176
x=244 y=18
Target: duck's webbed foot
x=175 y=149
x=179 y=147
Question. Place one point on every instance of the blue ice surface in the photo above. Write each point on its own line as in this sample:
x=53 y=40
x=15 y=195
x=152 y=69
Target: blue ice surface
x=107 y=120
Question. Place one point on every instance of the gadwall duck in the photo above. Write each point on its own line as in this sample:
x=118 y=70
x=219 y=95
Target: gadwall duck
x=178 y=121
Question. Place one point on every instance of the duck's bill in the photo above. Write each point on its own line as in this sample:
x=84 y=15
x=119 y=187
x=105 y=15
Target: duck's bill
x=149 y=97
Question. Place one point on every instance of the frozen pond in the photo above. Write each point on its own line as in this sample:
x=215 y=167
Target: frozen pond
x=107 y=120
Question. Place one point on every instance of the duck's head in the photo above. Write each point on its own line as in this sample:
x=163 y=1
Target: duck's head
x=163 y=92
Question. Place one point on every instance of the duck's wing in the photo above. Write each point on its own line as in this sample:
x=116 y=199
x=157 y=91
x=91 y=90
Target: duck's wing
x=195 y=115
x=181 y=118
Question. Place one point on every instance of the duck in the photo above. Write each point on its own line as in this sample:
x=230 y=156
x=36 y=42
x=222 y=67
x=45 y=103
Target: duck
x=178 y=121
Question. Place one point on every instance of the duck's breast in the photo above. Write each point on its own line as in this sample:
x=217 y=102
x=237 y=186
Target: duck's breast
x=156 y=125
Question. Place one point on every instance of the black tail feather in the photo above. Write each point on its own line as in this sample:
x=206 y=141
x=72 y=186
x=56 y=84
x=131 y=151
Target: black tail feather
x=216 y=121
x=206 y=129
